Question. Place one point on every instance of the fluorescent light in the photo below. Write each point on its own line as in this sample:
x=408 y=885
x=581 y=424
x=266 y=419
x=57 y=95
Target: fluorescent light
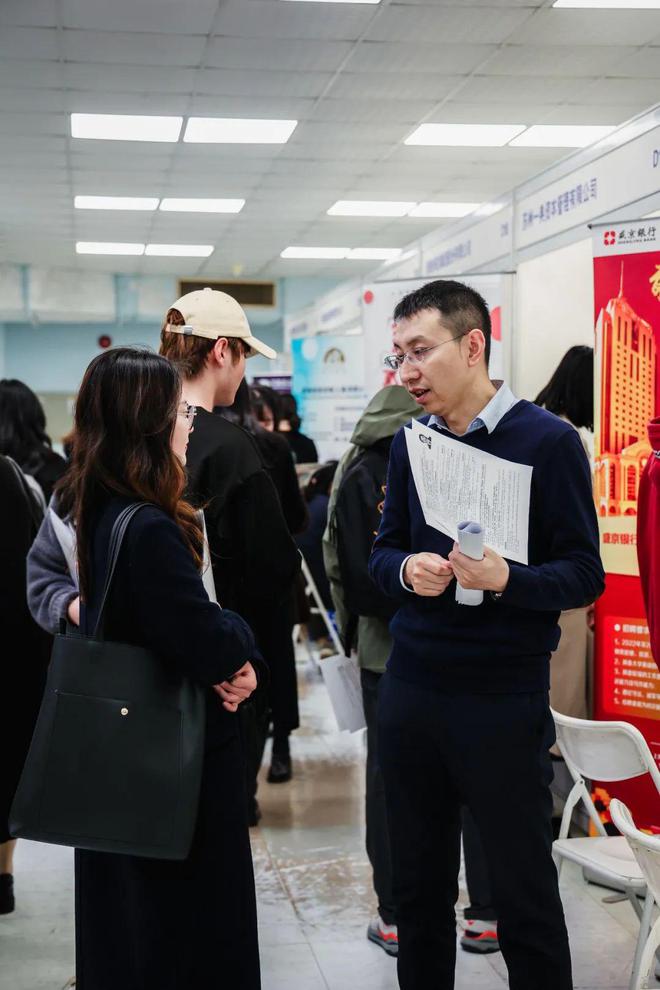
x=320 y=253
x=369 y=208
x=374 y=254
x=610 y=4
x=125 y=127
x=560 y=136
x=179 y=250
x=175 y=205
x=465 y=135
x=115 y=202
x=651 y=216
x=443 y=209
x=238 y=130
x=108 y=247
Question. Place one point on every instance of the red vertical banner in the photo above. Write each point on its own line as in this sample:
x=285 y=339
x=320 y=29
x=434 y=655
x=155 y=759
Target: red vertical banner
x=627 y=396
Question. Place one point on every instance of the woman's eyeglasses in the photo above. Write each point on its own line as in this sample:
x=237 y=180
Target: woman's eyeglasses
x=189 y=412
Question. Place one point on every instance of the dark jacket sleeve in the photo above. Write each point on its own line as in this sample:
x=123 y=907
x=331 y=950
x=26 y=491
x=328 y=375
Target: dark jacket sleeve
x=356 y=520
x=392 y=544
x=293 y=503
x=572 y=575
x=267 y=559
x=173 y=609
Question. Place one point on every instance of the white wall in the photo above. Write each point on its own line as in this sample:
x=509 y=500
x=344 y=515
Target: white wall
x=554 y=310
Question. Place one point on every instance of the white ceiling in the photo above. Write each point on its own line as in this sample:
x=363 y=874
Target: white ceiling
x=359 y=78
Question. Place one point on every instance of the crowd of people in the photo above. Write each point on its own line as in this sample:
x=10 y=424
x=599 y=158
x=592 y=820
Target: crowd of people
x=455 y=699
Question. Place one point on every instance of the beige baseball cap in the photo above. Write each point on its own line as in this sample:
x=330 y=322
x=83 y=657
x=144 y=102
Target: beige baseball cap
x=212 y=314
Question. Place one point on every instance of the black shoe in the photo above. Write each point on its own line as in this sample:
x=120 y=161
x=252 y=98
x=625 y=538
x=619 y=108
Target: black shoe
x=280 y=769
x=7 y=902
x=254 y=813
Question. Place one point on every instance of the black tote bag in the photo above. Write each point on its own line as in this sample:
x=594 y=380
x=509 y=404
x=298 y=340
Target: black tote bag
x=116 y=757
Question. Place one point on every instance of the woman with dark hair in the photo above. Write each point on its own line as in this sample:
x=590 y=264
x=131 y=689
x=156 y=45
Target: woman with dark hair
x=23 y=435
x=304 y=448
x=570 y=391
x=265 y=407
x=148 y=924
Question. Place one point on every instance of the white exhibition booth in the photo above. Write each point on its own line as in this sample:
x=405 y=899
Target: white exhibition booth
x=530 y=255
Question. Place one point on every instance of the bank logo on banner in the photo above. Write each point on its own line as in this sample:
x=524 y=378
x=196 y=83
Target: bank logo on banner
x=609 y=237
x=630 y=235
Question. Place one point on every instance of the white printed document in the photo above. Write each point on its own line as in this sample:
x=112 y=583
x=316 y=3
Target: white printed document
x=456 y=482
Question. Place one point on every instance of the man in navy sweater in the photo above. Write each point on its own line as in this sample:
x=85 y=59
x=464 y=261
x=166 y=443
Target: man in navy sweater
x=464 y=716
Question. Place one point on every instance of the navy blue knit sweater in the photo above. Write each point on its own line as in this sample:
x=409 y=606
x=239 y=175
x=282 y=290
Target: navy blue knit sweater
x=501 y=646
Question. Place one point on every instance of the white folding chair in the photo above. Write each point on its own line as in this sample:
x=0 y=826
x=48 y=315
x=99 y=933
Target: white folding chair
x=606 y=751
x=647 y=853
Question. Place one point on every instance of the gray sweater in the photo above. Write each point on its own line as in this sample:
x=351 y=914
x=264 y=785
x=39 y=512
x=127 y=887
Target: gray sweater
x=50 y=586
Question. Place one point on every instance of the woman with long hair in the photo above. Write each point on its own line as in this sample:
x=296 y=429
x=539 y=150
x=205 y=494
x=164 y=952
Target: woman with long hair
x=23 y=435
x=147 y=924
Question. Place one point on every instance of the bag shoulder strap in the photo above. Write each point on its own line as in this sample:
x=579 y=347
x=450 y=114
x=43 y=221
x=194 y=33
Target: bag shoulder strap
x=116 y=539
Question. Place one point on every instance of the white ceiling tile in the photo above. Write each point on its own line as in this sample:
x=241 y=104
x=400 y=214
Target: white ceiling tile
x=447 y=25
x=524 y=89
x=237 y=82
x=589 y=27
x=556 y=60
x=36 y=12
x=31 y=43
x=383 y=85
x=377 y=130
x=581 y=113
x=640 y=64
x=611 y=92
x=32 y=124
x=276 y=53
x=171 y=16
x=390 y=56
x=30 y=74
x=86 y=101
x=264 y=19
x=261 y=108
x=128 y=78
x=16 y=99
x=136 y=48
x=454 y=112
x=374 y=108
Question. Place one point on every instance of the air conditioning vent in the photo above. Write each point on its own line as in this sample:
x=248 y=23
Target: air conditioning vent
x=262 y=294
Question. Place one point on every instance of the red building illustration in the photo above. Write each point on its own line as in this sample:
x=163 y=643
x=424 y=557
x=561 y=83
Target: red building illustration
x=625 y=361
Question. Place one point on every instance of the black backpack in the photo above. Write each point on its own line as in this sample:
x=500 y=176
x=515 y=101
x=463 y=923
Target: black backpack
x=356 y=520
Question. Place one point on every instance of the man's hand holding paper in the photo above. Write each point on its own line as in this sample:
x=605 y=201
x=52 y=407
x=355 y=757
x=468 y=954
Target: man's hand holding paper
x=489 y=574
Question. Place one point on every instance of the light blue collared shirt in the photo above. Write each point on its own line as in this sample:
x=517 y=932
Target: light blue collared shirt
x=490 y=416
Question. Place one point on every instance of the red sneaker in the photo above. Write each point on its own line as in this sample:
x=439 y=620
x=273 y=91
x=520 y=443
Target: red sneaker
x=480 y=936
x=385 y=936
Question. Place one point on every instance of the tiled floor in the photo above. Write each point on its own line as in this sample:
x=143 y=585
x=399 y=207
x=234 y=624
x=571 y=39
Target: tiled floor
x=313 y=887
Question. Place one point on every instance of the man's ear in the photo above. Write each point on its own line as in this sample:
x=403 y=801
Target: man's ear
x=220 y=351
x=476 y=346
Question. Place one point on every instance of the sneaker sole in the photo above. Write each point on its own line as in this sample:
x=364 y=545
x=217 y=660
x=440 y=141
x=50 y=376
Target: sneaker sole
x=479 y=948
x=391 y=950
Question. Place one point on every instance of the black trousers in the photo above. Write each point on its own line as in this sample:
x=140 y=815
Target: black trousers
x=439 y=752
x=378 y=837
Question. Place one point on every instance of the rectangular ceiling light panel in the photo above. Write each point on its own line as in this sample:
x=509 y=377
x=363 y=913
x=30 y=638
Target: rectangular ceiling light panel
x=369 y=208
x=179 y=250
x=315 y=253
x=238 y=130
x=560 y=136
x=178 y=205
x=125 y=127
x=108 y=247
x=465 y=135
x=115 y=203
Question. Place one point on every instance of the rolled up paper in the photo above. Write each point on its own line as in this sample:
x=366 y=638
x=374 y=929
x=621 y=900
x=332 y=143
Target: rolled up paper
x=470 y=543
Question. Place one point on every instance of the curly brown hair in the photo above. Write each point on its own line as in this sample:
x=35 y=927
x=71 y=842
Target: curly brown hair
x=124 y=419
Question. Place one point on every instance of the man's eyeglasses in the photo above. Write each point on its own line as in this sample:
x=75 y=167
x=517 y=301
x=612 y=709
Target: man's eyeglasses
x=417 y=355
x=189 y=412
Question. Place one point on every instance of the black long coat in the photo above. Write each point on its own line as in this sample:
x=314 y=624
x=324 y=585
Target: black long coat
x=145 y=924
x=25 y=647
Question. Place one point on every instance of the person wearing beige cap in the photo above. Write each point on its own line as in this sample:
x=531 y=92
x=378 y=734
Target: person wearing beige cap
x=254 y=559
